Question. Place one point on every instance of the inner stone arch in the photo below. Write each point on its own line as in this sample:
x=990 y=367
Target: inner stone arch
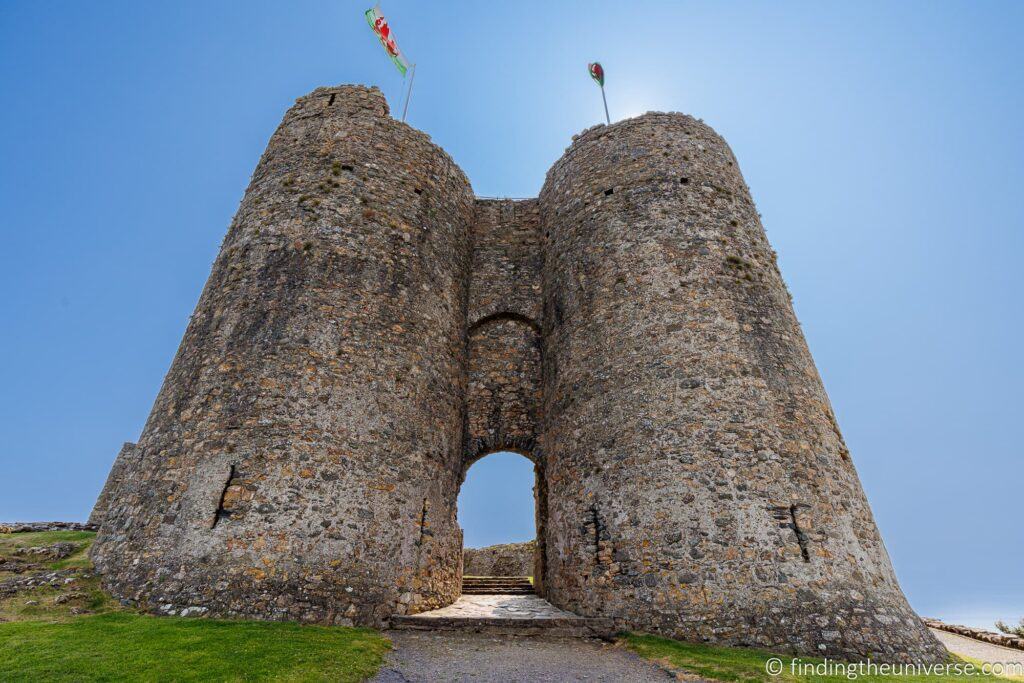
x=503 y=397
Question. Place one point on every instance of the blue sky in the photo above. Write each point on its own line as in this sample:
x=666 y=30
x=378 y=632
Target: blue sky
x=882 y=143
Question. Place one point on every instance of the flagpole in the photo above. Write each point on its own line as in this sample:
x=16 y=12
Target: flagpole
x=605 y=100
x=401 y=90
x=408 y=95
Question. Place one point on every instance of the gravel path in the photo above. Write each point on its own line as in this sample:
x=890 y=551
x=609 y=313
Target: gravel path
x=431 y=656
x=977 y=649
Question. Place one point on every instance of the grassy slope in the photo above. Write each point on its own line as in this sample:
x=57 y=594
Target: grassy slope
x=84 y=592
x=125 y=646
x=748 y=665
x=47 y=641
x=9 y=542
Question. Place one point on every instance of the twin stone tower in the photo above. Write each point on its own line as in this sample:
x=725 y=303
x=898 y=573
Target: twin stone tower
x=370 y=329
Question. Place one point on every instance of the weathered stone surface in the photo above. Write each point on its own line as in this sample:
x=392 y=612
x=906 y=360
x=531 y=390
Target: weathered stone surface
x=282 y=471
x=697 y=483
x=370 y=329
x=507 y=559
x=124 y=466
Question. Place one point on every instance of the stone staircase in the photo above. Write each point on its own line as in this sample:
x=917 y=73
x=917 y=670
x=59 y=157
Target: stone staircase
x=497 y=585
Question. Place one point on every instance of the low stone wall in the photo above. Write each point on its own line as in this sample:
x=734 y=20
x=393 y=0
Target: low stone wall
x=509 y=559
x=1003 y=639
x=24 y=527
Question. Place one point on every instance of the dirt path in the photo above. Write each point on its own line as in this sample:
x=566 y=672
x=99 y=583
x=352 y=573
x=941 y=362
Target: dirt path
x=456 y=657
x=976 y=649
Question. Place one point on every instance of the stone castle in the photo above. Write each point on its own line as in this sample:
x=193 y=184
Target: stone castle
x=370 y=329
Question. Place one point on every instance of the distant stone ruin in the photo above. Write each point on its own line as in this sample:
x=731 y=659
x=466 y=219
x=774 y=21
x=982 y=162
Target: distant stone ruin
x=370 y=328
x=508 y=559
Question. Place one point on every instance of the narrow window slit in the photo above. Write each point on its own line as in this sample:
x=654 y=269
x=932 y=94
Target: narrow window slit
x=331 y=100
x=418 y=191
x=593 y=525
x=423 y=522
x=221 y=512
x=801 y=536
x=609 y=192
x=684 y=181
x=346 y=167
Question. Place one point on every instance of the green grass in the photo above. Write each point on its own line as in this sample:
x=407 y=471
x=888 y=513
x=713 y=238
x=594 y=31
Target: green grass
x=35 y=538
x=134 y=647
x=748 y=665
x=77 y=632
x=78 y=559
x=8 y=542
x=40 y=604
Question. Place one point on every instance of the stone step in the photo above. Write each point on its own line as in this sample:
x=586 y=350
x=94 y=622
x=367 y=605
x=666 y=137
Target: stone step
x=513 y=586
x=472 y=589
x=577 y=627
x=510 y=581
x=520 y=615
x=496 y=578
x=470 y=584
x=496 y=583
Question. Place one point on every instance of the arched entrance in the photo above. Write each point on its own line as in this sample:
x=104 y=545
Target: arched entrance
x=503 y=403
x=496 y=501
x=499 y=516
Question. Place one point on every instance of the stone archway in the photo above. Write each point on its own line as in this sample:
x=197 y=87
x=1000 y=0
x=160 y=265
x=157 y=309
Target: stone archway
x=503 y=403
x=498 y=505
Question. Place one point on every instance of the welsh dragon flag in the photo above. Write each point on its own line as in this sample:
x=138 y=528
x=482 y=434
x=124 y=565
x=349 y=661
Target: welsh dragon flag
x=596 y=72
x=379 y=24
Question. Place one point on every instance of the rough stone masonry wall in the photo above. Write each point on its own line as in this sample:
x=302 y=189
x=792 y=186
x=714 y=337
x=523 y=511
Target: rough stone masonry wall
x=503 y=400
x=698 y=485
x=504 y=333
x=507 y=260
x=124 y=467
x=506 y=559
x=302 y=458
